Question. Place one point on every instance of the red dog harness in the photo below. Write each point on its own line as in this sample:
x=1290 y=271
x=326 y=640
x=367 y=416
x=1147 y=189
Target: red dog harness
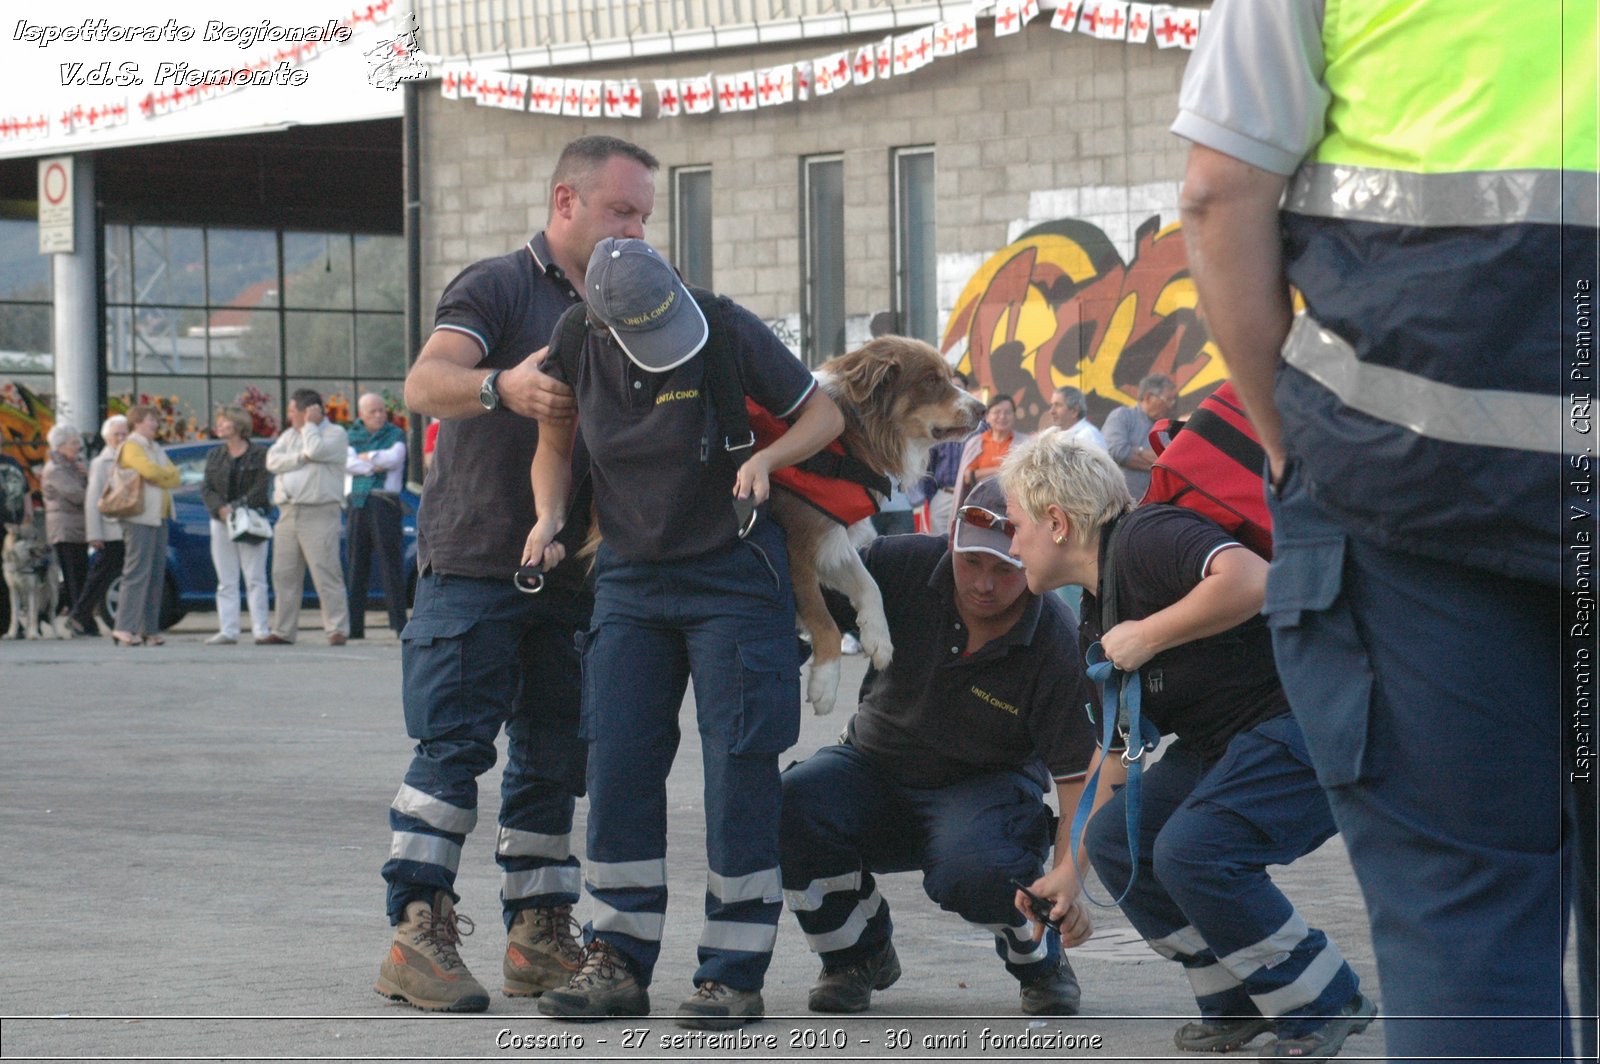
x=842 y=499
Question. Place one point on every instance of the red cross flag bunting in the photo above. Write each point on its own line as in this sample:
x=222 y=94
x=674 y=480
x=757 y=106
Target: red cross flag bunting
x=904 y=57
x=776 y=85
x=1138 y=23
x=727 y=93
x=668 y=103
x=966 y=33
x=450 y=82
x=555 y=93
x=1008 y=18
x=1066 y=17
x=1165 y=24
x=822 y=76
x=1113 y=20
x=698 y=96
x=572 y=98
x=802 y=80
x=923 y=46
x=885 y=57
x=1089 y=19
x=593 y=105
x=1189 y=29
x=1030 y=11
x=611 y=99
x=516 y=92
x=749 y=95
x=866 y=64
x=469 y=84
x=944 y=40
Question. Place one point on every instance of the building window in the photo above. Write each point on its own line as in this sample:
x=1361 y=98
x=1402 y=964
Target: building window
x=691 y=223
x=26 y=347
x=822 y=330
x=202 y=317
x=915 y=265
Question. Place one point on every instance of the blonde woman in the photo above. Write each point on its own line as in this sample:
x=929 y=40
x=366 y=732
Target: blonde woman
x=104 y=533
x=144 y=535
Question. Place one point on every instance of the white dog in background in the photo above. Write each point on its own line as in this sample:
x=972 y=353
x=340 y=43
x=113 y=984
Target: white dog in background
x=33 y=580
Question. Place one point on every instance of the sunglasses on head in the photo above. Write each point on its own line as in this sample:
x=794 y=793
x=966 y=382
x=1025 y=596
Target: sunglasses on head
x=978 y=517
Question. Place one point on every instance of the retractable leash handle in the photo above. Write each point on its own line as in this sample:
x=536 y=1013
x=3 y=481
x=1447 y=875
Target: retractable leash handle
x=1120 y=705
x=529 y=579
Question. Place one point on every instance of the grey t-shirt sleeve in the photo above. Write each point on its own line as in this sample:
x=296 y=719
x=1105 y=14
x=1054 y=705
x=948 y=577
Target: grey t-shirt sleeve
x=1254 y=87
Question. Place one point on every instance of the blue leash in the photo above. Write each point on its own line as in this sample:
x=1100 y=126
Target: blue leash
x=1121 y=700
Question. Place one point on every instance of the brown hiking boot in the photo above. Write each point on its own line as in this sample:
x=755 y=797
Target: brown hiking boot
x=604 y=986
x=542 y=952
x=423 y=968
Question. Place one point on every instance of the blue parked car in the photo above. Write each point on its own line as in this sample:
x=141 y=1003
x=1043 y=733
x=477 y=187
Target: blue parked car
x=191 y=578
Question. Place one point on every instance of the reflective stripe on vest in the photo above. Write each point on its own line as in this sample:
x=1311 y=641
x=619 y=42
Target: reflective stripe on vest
x=1480 y=416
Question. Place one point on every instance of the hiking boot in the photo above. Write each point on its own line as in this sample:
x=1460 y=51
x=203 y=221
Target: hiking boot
x=849 y=987
x=1055 y=993
x=604 y=986
x=542 y=952
x=423 y=968
x=1223 y=1036
x=1325 y=1041
x=719 y=1007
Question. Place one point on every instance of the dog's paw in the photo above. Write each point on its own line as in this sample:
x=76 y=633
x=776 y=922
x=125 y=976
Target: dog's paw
x=822 y=687
x=876 y=644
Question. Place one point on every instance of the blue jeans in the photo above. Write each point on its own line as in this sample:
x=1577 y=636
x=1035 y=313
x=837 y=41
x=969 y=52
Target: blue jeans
x=1202 y=896
x=726 y=620
x=1430 y=698
x=845 y=818
x=479 y=656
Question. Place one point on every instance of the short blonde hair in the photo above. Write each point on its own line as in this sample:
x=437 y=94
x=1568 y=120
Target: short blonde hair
x=1056 y=469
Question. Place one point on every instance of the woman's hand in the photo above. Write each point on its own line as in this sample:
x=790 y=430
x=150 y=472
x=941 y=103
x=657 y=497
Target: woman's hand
x=224 y=513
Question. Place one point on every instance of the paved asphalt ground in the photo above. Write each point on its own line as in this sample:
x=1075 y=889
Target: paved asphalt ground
x=190 y=839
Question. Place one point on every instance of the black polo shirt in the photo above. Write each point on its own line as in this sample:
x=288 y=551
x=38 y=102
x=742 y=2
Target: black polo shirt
x=1207 y=691
x=938 y=715
x=477 y=504
x=661 y=492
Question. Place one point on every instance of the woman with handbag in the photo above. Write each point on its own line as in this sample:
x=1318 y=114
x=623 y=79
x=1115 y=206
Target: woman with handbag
x=104 y=533
x=144 y=533
x=65 y=481
x=236 y=478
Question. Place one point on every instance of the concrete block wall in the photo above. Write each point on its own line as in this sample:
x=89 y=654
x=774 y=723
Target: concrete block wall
x=1022 y=126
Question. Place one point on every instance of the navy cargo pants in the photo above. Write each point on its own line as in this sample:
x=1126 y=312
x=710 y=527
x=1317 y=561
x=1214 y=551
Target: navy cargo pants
x=726 y=620
x=478 y=656
x=845 y=818
x=1202 y=896
x=1430 y=695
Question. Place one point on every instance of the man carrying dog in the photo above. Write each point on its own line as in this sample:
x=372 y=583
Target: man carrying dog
x=478 y=655
x=685 y=586
x=943 y=768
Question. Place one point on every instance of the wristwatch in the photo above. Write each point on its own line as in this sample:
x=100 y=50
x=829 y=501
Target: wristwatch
x=487 y=393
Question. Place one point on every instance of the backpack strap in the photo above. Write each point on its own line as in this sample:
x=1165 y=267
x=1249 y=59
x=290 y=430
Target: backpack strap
x=566 y=340
x=722 y=384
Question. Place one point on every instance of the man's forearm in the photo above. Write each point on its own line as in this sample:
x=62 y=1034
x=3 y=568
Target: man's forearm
x=1230 y=226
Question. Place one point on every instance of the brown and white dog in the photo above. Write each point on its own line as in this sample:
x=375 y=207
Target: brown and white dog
x=898 y=400
x=32 y=579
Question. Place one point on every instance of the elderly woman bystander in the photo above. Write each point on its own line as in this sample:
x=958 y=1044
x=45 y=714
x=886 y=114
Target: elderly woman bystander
x=144 y=567
x=104 y=534
x=65 y=482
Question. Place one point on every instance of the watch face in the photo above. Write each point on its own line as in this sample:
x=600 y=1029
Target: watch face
x=487 y=395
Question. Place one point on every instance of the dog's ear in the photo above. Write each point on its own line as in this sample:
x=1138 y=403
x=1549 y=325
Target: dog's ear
x=869 y=373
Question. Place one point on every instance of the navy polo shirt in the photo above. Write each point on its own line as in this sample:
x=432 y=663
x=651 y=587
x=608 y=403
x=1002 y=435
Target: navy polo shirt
x=938 y=715
x=660 y=492
x=1207 y=691
x=477 y=506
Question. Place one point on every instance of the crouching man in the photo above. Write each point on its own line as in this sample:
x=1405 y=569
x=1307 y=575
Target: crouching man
x=1234 y=794
x=943 y=768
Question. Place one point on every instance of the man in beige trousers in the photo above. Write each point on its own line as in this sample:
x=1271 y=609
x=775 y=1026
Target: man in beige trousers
x=307 y=463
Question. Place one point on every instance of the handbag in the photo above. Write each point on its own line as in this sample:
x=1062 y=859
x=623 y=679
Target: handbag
x=248 y=525
x=123 y=495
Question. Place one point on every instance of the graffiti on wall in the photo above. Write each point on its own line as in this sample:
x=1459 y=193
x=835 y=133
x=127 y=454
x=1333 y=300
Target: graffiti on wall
x=1059 y=307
